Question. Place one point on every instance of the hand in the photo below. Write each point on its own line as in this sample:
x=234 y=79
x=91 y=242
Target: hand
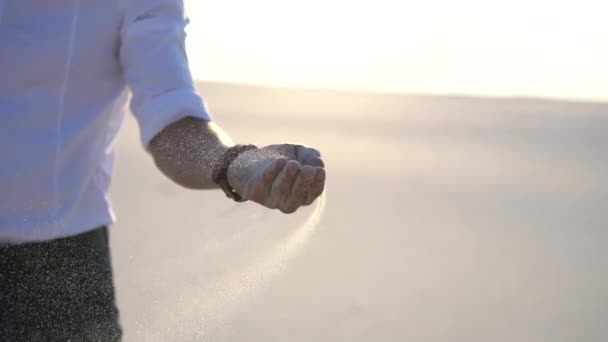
x=283 y=177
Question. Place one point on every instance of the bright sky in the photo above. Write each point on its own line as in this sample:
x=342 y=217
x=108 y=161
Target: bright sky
x=548 y=48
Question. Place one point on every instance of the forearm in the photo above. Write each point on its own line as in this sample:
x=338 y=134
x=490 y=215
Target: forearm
x=187 y=150
x=283 y=176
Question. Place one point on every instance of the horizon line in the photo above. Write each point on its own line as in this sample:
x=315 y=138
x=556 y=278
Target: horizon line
x=594 y=101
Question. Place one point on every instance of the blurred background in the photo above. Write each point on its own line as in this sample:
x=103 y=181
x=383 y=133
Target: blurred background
x=541 y=48
x=466 y=146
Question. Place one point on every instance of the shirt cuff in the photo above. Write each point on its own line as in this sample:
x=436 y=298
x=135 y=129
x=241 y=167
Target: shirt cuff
x=153 y=115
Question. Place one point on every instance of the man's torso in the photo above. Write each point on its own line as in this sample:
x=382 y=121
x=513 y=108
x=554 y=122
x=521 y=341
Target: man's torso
x=61 y=100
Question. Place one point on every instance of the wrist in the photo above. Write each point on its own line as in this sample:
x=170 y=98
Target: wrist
x=226 y=177
x=237 y=176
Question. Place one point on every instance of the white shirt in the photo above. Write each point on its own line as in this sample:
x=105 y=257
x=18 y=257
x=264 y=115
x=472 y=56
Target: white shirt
x=65 y=70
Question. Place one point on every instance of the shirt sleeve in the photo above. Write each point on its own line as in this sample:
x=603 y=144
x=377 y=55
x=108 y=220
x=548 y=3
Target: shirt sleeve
x=155 y=65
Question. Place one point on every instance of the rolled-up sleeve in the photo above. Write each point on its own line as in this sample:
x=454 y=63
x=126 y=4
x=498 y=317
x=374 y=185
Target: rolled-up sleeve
x=155 y=65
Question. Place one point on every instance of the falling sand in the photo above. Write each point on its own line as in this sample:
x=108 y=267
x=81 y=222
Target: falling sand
x=450 y=219
x=210 y=303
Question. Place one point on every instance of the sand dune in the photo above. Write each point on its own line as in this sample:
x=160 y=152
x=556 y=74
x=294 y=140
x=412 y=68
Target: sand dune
x=447 y=219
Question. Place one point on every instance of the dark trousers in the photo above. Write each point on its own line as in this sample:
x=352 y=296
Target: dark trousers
x=59 y=290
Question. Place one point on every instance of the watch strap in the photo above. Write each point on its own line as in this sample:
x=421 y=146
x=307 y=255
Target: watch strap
x=220 y=170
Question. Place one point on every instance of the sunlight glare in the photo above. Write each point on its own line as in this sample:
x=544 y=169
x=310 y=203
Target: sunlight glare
x=540 y=48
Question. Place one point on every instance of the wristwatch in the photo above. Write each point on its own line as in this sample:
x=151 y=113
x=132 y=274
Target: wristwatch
x=220 y=170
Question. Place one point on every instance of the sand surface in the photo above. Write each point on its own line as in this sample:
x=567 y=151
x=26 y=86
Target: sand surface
x=446 y=219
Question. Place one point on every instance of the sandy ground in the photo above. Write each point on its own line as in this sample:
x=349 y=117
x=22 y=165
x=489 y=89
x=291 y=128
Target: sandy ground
x=446 y=219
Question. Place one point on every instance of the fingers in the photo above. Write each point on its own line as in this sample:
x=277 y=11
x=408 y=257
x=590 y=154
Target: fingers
x=272 y=172
x=291 y=202
x=299 y=190
x=315 y=161
x=314 y=151
x=308 y=156
x=294 y=180
x=282 y=185
x=317 y=186
x=258 y=190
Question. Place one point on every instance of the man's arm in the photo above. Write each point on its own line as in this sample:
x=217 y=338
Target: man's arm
x=282 y=176
x=187 y=150
x=175 y=126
